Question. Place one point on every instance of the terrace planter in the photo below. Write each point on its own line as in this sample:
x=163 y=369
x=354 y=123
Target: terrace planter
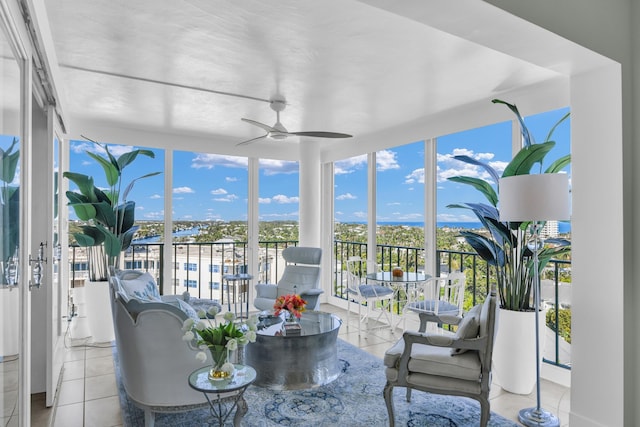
x=514 y=350
x=98 y=311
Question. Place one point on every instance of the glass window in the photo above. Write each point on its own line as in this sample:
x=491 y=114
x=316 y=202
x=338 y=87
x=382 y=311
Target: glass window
x=190 y=266
x=214 y=285
x=214 y=268
x=190 y=283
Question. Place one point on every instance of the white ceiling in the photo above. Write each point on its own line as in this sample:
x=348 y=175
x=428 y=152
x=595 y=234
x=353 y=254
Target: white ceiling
x=169 y=66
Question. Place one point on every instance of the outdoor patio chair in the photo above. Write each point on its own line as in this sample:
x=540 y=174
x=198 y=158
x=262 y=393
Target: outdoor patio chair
x=301 y=276
x=369 y=294
x=438 y=300
x=445 y=363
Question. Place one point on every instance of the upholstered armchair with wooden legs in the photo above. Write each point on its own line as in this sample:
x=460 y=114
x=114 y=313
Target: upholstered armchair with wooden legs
x=458 y=364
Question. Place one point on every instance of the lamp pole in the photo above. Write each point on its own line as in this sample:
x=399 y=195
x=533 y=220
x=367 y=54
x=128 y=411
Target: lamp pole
x=537 y=417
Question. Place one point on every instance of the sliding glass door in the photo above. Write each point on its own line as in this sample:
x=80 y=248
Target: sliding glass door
x=10 y=301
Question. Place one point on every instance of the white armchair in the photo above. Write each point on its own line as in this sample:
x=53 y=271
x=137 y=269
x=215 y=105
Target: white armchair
x=155 y=362
x=452 y=364
x=301 y=276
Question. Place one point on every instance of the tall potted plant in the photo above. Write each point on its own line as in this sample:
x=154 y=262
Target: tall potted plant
x=108 y=225
x=503 y=245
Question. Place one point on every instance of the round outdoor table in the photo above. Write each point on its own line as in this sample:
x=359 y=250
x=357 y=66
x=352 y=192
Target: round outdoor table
x=307 y=360
x=228 y=393
x=405 y=282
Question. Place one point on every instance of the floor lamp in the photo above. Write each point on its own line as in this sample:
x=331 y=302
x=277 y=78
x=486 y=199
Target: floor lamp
x=535 y=198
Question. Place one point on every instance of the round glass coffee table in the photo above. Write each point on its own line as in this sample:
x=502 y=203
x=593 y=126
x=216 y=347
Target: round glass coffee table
x=228 y=393
x=285 y=362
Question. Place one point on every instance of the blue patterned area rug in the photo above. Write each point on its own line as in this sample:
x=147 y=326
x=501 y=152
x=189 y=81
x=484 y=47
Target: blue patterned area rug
x=353 y=399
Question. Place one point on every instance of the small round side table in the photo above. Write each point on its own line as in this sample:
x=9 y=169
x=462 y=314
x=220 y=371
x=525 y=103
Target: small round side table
x=226 y=394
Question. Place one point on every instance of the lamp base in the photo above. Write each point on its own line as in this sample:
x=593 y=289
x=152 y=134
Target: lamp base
x=537 y=417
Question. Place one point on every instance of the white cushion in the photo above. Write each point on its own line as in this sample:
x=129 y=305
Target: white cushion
x=142 y=286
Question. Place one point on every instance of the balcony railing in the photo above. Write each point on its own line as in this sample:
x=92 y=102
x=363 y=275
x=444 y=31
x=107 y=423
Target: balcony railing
x=199 y=267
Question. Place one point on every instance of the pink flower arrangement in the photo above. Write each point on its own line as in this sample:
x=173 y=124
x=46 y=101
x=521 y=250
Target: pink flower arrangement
x=291 y=303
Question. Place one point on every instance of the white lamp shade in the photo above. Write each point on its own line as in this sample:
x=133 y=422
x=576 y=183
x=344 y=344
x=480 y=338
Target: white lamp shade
x=537 y=197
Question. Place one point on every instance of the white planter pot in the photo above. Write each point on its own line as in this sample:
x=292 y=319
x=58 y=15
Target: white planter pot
x=98 y=311
x=10 y=315
x=514 y=350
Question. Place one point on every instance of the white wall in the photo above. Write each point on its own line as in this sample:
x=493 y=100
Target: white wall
x=605 y=371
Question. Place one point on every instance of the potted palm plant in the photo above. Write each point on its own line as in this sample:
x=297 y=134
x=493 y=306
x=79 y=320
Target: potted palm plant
x=503 y=245
x=108 y=224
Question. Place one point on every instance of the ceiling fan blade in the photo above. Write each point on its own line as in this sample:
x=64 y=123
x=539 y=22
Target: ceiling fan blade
x=322 y=134
x=252 y=140
x=260 y=125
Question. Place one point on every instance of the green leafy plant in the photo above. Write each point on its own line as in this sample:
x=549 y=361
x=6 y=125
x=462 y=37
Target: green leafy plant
x=503 y=245
x=109 y=217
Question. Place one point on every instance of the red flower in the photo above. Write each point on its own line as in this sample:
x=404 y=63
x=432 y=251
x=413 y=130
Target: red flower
x=291 y=303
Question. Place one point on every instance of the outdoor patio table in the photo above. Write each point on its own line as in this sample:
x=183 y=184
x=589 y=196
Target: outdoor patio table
x=405 y=283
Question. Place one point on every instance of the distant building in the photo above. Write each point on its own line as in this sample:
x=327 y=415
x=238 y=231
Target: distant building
x=549 y=230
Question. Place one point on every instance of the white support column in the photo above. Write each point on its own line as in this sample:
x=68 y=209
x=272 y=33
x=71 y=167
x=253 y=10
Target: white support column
x=309 y=194
x=253 y=232
x=371 y=207
x=167 y=252
x=430 y=205
x=327 y=231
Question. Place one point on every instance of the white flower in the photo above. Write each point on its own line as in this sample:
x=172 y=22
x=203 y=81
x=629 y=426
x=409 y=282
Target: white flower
x=228 y=368
x=203 y=347
x=251 y=336
x=201 y=356
x=229 y=316
x=202 y=314
x=187 y=324
x=232 y=344
x=200 y=325
x=252 y=322
x=188 y=336
x=213 y=310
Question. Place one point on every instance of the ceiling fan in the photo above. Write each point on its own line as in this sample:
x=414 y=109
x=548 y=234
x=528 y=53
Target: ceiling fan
x=278 y=131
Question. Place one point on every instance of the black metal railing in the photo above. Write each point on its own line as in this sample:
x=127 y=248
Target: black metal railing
x=230 y=257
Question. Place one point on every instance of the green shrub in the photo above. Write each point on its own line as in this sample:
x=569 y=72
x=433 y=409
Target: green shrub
x=564 y=322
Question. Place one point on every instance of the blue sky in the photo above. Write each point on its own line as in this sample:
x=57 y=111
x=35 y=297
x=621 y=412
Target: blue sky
x=214 y=187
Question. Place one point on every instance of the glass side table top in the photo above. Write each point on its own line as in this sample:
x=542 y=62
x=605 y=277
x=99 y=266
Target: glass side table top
x=243 y=376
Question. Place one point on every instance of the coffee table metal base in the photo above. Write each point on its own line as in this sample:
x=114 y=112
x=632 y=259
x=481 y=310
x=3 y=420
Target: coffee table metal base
x=295 y=362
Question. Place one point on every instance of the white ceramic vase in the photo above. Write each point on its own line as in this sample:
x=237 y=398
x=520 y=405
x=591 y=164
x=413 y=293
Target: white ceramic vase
x=514 y=350
x=98 y=310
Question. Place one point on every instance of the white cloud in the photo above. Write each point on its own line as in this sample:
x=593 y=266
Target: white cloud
x=282 y=199
x=275 y=167
x=360 y=214
x=227 y=198
x=154 y=215
x=183 y=190
x=346 y=196
x=219 y=192
x=350 y=165
x=209 y=161
x=155 y=196
x=230 y=179
x=265 y=200
x=385 y=160
x=416 y=176
x=462 y=217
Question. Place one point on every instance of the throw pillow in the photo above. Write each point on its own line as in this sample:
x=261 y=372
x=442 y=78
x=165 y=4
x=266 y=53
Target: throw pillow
x=186 y=308
x=142 y=287
x=468 y=328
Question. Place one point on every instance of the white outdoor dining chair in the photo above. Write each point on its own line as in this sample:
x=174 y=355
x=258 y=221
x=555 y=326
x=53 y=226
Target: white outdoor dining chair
x=368 y=294
x=438 y=300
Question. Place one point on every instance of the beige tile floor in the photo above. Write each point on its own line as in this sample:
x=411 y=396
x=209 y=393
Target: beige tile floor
x=88 y=395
